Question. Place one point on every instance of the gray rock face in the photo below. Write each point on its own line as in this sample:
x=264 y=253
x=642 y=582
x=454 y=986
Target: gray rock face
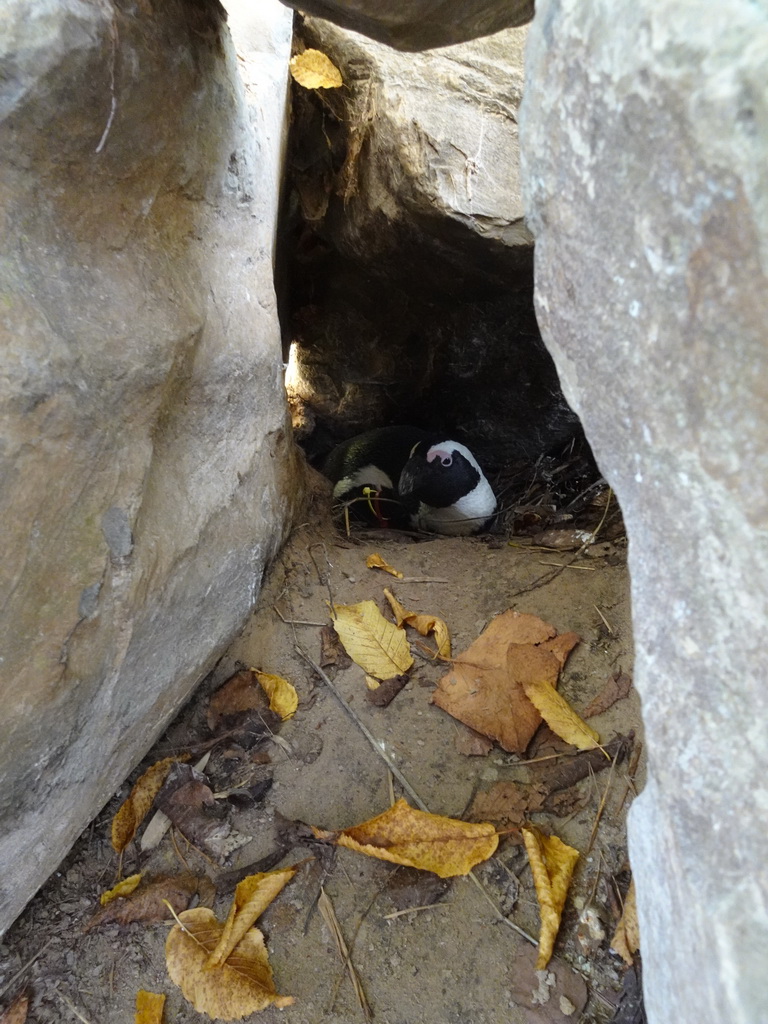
x=409 y=239
x=148 y=472
x=420 y=24
x=645 y=148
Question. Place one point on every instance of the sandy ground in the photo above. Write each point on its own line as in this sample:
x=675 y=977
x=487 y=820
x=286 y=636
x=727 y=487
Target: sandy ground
x=457 y=961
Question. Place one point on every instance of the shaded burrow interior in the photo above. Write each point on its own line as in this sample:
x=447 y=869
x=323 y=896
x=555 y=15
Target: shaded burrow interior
x=419 y=319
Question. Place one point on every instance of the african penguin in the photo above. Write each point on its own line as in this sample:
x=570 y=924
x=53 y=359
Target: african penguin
x=398 y=476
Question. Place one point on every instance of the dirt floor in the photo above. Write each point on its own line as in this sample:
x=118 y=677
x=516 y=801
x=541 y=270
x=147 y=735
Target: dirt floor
x=427 y=951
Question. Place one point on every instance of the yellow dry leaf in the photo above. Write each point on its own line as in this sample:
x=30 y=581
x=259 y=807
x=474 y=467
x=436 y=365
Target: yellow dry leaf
x=559 y=715
x=252 y=897
x=124 y=888
x=626 y=939
x=378 y=647
x=241 y=986
x=283 y=699
x=552 y=863
x=133 y=810
x=149 y=1007
x=314 y=70
x=422 y=623
x=375 y=561
x=430 y=842
x=371 y=683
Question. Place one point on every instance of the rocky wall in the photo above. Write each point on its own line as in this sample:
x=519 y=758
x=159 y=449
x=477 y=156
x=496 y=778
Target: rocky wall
x=644 y=138
x=148 y=470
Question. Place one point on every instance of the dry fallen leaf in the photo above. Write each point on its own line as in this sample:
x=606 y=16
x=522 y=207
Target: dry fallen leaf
x=616 y=688
x=283 y=699
x=555 y=709
x=375 y=561
x=552 y=863
x=241 y=986
x=314 y=70
x=124 y=888
x=378 y=647
x=133 y=810
x=149 y=1007
x=430 y=842
x=422 y=623
x=252 y=896
x=148 y=903
x=479 y=689
x=626 y=938
x=189 y=802
x=17 y=1011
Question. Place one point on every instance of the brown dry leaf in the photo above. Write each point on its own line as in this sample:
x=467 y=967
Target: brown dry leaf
x=616 y=688
x=376 y=645
x=252 y=897
x=508 y=804
x=557 y=712
x=479 y=691
x=283 y=699
x=552 y=863
x=149 y=1007
x=422 y=623
x=148 y=903
x=626 y=938
x=238 y=694
x=472 y=744
x=241 y=986
x=314 y=70
x=375 y=561
x=332 y=653
x=17 y=1011
x=190 y=804
x=124 y=888
x=430 y=842
x=134 y=809
x=383 y=694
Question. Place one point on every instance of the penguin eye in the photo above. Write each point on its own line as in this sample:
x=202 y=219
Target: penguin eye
x=447 y=460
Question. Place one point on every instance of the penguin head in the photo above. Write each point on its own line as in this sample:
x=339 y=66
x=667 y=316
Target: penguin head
x=445 y=488
x=438 y=474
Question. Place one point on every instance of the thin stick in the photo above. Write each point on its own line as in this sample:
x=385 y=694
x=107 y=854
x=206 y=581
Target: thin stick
x=607 y=624
x=295 y=622
x=560 y=565
x=68 y=1002
x=601 y=807
x=413 y=910
x=423 y=579
x=403 y=782
x=325 y=907
x=25 y=967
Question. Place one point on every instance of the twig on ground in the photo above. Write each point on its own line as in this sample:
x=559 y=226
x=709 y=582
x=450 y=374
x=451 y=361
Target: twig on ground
x=295 y=622
x=325 y=907
x=413 y=910
x=601 y=808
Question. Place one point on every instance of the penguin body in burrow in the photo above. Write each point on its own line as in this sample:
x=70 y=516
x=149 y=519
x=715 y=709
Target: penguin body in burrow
x=400 y=476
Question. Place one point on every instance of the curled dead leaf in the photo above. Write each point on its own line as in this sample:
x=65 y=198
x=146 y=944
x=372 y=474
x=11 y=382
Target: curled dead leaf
x=134 y=809
x=241 y=986
x=552 y=863
x=375 y=561
x=313 y=70
x=124 y=888
x=626 y=938
x=17 y=1011
x=283 y=699
x=149 y=1007
x=376 y=645
x=422 y=623
x=558 y=713
x=252 y=897
x=149 y=902
x=430 y=842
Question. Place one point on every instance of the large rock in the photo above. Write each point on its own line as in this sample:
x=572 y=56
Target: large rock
x=148 y=472
x=410 y=238
x=645 y=147
x=420 y=24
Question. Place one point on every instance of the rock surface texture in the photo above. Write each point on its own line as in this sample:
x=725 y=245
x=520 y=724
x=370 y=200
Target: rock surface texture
x=420 y=24
x=412 y=274
x=645 y=148
x=148 y=474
